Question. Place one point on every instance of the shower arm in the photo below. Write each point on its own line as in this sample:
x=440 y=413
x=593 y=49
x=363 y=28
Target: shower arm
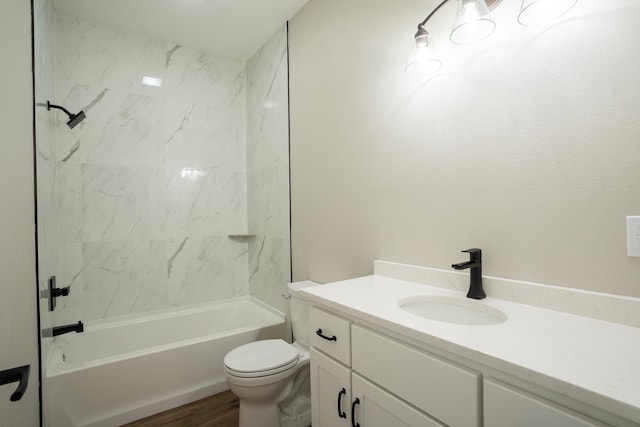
x=50 y=106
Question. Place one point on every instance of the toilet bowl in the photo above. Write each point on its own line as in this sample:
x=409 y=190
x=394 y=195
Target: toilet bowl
x=271 y=377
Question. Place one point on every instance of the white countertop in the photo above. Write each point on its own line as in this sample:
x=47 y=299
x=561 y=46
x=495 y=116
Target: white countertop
x=593 y=361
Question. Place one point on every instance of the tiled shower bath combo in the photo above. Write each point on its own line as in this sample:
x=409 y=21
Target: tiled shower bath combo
x=164 y=196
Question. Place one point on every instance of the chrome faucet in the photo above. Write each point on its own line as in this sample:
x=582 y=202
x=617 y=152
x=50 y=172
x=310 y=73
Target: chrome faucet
x=475 y=266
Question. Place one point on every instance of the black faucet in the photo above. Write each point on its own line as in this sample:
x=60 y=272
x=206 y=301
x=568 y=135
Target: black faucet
x=65 y=329
x=475 y=264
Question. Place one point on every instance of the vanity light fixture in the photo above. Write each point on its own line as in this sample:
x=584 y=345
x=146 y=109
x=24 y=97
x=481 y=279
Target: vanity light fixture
x=473 y=23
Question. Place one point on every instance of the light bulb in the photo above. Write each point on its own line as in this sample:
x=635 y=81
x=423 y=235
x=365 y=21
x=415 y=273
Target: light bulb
x=424 y=58
x=473 y=22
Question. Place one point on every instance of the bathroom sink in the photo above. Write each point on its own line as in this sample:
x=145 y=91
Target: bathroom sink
x=461 y=311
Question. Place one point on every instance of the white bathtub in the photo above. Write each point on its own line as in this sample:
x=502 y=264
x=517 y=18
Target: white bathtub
x=124 y=369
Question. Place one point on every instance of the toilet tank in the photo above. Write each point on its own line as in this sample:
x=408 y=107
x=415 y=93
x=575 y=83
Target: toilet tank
x=299 y=309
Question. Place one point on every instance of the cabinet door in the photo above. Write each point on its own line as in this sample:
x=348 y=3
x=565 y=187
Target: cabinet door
x=330 y=392
x=374 y=407
x=505 y=406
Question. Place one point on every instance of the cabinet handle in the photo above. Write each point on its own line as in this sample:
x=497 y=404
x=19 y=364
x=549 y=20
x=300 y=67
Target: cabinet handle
x=319 y=333
x=341 y=413
x=353 y=413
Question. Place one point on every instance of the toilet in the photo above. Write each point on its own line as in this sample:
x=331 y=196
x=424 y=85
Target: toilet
x=271 y=377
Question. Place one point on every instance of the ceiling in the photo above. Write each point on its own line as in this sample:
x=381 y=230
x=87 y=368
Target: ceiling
x=230 y=28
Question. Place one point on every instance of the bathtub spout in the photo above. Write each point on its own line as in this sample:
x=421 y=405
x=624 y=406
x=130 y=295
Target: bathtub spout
x=59 y=330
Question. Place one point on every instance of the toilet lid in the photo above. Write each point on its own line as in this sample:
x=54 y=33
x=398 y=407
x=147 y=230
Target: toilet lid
x=261 y=358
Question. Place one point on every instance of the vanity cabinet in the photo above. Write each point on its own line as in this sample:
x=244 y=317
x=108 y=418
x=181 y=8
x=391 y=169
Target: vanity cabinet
x=361 y=377
x=540 y=366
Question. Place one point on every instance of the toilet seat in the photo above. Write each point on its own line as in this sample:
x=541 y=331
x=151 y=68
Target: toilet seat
x=261 y=358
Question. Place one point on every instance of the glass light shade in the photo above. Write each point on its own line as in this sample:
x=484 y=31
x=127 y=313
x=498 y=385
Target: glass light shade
x=424 y=58
x=537 y=12
x=473 y=22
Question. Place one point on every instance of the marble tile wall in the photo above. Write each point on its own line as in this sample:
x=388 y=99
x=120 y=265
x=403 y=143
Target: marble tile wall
x=151 y=184
x=268 y=171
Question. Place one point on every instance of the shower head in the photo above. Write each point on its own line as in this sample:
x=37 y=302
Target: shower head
x=74 y=119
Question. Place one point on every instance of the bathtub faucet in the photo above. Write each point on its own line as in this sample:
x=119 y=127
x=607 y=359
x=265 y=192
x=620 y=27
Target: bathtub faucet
x=64 y=329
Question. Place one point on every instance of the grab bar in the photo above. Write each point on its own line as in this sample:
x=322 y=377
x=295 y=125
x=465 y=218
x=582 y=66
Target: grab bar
x=20 y=374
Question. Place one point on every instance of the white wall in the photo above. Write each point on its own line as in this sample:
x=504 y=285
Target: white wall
x=525 y=145
x=18 y=312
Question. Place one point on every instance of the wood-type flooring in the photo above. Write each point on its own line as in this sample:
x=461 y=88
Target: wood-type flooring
x=220 y=410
